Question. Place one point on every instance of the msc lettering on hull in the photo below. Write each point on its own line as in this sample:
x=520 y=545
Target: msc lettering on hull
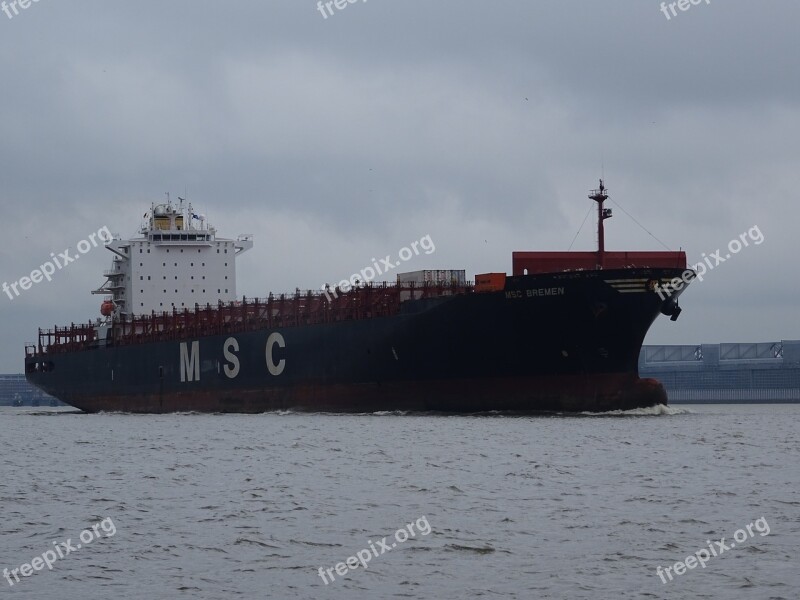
x=534 y=293
x=190 y=365
x=190 y=358
x=275 y=369
x=228 y=349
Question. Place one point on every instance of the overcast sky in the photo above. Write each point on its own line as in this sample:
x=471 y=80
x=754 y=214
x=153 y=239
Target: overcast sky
x=335 y=140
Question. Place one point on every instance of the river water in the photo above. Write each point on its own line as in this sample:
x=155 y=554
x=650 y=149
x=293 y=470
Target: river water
x=242 y=506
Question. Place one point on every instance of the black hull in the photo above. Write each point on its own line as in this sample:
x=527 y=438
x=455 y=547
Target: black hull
x=564 y=342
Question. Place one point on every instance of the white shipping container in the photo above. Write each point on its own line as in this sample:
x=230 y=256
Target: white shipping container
x=434 y=277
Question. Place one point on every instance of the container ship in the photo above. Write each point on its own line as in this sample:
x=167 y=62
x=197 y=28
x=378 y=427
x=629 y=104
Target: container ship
x=562 y=332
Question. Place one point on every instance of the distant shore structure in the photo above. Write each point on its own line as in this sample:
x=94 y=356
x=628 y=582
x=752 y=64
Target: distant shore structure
x=14 y=389
x=727 y=373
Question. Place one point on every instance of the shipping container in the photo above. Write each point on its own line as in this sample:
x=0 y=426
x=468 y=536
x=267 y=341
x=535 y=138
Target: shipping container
x=490 y=282
x=434 y=277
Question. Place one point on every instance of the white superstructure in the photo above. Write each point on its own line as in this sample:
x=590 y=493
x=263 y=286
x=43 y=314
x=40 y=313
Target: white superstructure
x=173 y=264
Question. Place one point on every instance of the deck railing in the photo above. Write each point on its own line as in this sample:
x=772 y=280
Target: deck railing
x=285 y=310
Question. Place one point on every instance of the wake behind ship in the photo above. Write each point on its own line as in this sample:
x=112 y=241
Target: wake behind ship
x=563 y=332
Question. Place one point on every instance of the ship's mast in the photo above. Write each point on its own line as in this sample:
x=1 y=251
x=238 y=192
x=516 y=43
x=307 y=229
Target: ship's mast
x=600 y=195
